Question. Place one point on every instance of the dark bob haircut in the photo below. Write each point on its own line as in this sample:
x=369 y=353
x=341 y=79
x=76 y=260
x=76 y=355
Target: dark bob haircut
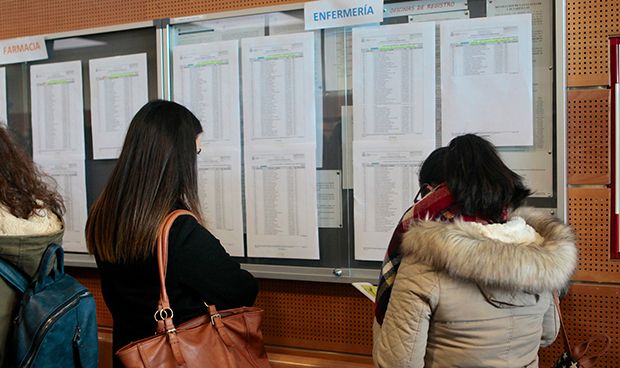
x=478 y=179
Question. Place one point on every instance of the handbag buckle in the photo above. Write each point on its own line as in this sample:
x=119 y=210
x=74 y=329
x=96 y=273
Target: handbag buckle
x=213 y=316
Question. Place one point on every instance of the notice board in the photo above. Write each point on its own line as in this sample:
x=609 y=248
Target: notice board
x=311 y=175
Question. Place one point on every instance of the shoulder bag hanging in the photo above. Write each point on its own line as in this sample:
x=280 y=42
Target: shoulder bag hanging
x=579 y=356
x=230 y=338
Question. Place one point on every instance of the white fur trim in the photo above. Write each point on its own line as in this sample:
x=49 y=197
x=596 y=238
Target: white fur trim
x=513 y=231
x=462 y=250
x=43 y=222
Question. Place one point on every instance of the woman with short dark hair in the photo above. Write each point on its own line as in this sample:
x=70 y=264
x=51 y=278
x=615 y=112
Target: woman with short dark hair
x=30 y=219
x=470 y=281
x=481 y=183
x=155 y=174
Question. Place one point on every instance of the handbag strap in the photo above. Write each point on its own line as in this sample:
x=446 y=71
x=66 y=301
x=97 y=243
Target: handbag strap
x=162 y=256
x=164 y=312
x=580 y=350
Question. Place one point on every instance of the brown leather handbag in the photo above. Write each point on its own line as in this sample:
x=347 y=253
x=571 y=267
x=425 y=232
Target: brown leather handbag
x=223 y=339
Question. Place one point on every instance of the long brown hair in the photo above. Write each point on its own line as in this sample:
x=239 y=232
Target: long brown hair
x=155 y=173
x=23 y=189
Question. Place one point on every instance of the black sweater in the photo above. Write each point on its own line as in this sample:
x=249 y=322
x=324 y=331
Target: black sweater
x=199 y=269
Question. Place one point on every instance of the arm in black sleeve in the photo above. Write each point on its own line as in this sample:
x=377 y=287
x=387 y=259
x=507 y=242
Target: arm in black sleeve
x=205 y=267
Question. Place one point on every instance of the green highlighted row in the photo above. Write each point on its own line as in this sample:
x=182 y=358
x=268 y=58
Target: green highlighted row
x=400 y=47
x=494 y=40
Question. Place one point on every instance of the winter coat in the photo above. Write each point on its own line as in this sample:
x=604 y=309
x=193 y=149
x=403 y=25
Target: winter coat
x=22 y=242
x=473 y=295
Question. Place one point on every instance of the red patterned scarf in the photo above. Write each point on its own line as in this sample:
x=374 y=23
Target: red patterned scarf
x=438 y=205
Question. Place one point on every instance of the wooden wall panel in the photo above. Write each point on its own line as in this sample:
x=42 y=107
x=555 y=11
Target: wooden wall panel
x=588 y=137
x=588 y=214
x=588 y=310
x=22 y=18
x=296 y=358
x=316 y=315
x=589 y=23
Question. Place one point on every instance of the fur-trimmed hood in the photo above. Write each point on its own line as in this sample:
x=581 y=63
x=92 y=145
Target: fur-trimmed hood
x=531 y=252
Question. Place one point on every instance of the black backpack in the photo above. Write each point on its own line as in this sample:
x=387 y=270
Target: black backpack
x=55 y=324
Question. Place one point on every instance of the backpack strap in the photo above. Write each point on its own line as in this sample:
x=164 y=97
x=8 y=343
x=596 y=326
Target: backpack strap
x=13 y=276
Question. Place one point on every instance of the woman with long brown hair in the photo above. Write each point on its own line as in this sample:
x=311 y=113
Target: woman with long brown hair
x=155 y=174
x=30 y=219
